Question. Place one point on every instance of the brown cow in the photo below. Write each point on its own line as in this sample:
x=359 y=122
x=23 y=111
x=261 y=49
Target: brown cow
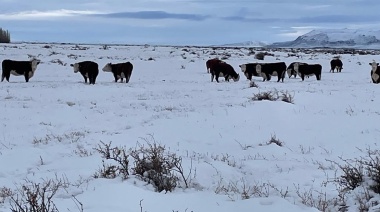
x=211 y=62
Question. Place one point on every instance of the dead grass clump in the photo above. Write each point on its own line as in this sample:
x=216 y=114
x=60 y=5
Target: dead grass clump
x=274 y=95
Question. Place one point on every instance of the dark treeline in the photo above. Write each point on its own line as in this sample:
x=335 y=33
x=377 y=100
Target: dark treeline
x=5 y=37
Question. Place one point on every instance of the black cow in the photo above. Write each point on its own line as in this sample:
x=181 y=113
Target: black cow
x=88 y=69
x=272 y=69
x=375 y=72
x=120 y=70
x=18 y=68
x=337 y=64
x=308 y=70
x=225 y=70
x=290 y=70
x=249 y=70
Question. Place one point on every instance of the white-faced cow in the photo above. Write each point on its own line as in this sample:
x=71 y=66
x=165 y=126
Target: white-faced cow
x=249 y=70
x=19 y=68
x=308 y=70
x=291 y=71
x=337 y=64
x=225 y=70
x=272 y=69
x=375 y=72
x=88 y=69
x=120 y=70
x=212 y=62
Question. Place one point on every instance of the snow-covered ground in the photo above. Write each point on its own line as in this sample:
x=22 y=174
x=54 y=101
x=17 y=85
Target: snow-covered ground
x=51 y=126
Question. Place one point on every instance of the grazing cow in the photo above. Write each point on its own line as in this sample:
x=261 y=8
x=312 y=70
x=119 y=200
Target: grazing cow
x=211 y=63
x=18 y=68
x=88 y=69
x=308 y=70
x=375 y=72
x=120 y=70
x=249 y=70
x=337 y=64
x=225 y=70
x=290 y=70
x=272 y=69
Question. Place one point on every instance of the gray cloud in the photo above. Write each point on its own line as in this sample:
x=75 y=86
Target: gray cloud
x=339 y=19
x=154 y=15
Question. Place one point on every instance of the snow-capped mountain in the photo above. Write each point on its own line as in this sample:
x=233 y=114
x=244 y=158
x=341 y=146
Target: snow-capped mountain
x=335 y=38
x=247 y=44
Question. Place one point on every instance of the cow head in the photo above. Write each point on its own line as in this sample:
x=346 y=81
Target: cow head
x=374 y=65
x=296 y=67
x=258 y=69
x=76 y=67
x=107 y=67
x=236 y=78
x=243 y=67
x=34 y=63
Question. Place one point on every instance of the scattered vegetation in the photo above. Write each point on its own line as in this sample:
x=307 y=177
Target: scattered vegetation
x=260 y=56
x=38 y=197
x=152 y=163
x=5 y=36
x=274 y=96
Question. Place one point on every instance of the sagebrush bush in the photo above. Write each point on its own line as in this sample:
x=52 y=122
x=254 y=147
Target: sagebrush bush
x=36 y=197
x=151 y=163
x=260 y=56
x=274 y=95
x=154 y=165
x=116 y=154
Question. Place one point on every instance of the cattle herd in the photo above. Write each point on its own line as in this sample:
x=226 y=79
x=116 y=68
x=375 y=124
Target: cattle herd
x=216 y=67
x=88 y=69
x=266 y=70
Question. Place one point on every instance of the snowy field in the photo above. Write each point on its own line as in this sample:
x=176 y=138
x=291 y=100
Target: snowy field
x=52 y=126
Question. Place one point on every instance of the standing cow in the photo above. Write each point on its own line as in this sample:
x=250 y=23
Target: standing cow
x=375 y=72
x=249 y=70
x=225 y=70
x=271 y=69
x=337 y=64
x=291 y=71
x=308 y=70
x=120 y=70
x=88 y=69
x=211 y=62
x=18 y=68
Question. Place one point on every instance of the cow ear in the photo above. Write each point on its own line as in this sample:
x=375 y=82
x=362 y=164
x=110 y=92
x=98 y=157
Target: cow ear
x=71 y=65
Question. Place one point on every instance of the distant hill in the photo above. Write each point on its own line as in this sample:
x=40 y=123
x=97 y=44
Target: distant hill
x=247 y=44
x=335 y=38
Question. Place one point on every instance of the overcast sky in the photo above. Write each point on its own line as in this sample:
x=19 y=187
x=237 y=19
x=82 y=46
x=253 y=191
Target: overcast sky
x=176 y=22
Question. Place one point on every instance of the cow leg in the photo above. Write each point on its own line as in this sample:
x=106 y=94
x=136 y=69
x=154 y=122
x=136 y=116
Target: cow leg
x=85 y=79
x=268 y=76
x=212 y=77
x=217 y=73
x=26 y=75
x=115 y=76
x=303 y=77
x=7 y=75
x=250 y=76
x=227 y=78
x=2 y=76
x=127 y=78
